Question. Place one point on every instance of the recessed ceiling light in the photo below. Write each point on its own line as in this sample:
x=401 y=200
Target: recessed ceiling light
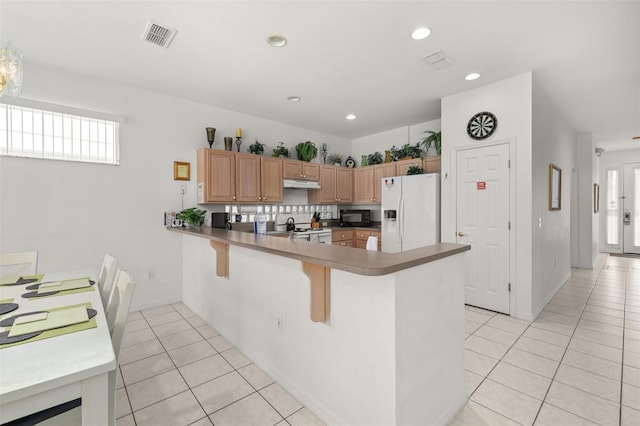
x=293 y=98
x=350 y=117
x=636 y=138
x=276 y=40
x=472 y=76
x=420 y=33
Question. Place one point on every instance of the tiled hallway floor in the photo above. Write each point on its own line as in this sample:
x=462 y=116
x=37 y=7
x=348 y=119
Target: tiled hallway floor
x=578 y=363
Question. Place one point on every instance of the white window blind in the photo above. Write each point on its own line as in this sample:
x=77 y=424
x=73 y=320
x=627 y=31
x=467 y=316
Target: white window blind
x=29 y=131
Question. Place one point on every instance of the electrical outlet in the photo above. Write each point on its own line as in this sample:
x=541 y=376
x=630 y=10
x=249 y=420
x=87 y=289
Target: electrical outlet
x=183 y=190
x=279 y=323
x=324 y=224
x=151 y=274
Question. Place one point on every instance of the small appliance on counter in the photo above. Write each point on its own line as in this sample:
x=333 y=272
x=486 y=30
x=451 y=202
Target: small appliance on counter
x=220 y=220
x=301 y=228
x=360 y=218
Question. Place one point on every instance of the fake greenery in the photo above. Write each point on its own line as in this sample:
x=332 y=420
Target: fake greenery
x=415 y=170
x=375 y=158
x=192 y=216
x=256 y=148
x=406 y=150
x=281 y=150
x=432 y=139
x=306 y=151
x=334 y=159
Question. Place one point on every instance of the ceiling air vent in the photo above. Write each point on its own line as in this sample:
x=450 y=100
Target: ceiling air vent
x=438 y=60
x=158 y=34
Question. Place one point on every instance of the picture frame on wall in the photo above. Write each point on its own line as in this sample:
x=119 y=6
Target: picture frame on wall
x=555 y=187
x=596 y=198
x=181 y=170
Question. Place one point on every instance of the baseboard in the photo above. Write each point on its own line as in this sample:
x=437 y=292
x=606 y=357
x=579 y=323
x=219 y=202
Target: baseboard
x=154 y=304
x=562 y=282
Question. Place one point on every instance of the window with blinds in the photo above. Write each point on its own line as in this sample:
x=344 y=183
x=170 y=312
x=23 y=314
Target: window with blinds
x=27 y=131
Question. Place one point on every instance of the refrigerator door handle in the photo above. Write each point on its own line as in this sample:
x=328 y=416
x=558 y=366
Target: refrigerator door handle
x=401 y=220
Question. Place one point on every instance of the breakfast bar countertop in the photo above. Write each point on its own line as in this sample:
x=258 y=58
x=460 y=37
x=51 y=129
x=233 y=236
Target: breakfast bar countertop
x=357 y=261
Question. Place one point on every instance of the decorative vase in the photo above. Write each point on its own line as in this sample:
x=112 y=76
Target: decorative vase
x=364 y=161
x=211 y=134
x=228 y=143
x=387 y=156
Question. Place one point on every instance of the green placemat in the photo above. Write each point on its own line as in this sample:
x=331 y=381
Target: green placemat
x=62 y=293
x=14 y=279
x=9 y=300
x=59 y=331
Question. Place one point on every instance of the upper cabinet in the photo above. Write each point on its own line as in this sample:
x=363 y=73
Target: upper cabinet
x=227 y=177
x=432 y=164
x=216 y=176
x=366 y=182
x=335 y=186
x=295 y=169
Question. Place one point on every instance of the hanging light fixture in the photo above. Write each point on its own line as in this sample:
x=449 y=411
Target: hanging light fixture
x=10 y=71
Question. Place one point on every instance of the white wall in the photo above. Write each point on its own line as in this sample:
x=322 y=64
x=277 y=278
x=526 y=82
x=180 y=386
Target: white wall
x=511 y=101
x=74 y=213
x=555 y=142
x=585 y=155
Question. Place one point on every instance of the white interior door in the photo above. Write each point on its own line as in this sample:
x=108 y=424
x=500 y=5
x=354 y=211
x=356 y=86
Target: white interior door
x=482 y=216
x=631 y=208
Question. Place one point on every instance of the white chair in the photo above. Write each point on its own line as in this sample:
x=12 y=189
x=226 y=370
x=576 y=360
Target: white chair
x=24 y=263
x=106 y=278
x=117 y=311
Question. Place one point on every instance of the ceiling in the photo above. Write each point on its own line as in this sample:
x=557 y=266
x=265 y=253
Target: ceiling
x=349 y=57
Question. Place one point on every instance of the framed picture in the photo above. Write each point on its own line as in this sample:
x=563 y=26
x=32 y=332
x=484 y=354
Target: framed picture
x=181 y=171
x=596 y=198
x=555 y=187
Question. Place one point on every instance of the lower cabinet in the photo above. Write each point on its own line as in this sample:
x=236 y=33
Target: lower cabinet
x=362 y=236
x=341 y=237
x=354 y=237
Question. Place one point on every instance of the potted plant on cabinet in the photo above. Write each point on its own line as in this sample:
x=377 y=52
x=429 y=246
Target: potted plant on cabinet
x=432 y=139
x=415 y=170
x=335 y=159
x=256 y=148
x=192 y=217
x=306 y=151
x=406 y=151
x=281 y=150
x=375 y=158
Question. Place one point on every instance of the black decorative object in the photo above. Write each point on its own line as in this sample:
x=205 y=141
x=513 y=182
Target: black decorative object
x=238 y=142
x=211 y=134
x=350 y=162
x=482 y=125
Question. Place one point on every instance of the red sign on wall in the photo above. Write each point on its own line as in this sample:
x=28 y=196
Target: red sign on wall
x=481 y=185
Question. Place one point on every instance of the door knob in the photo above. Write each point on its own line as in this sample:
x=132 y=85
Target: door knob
x=460 y=234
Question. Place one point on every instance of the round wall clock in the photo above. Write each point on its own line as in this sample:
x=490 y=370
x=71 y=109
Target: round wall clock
x=350 y=162
x=482 y=125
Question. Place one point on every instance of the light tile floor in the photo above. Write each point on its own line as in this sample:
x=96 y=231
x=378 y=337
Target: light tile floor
x=578 y=363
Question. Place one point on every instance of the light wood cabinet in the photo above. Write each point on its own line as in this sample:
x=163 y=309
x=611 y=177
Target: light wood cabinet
x=432 y=164
x=248 y=178
x=335 y=186
x=366 y=182
x=216 y=176
x=402 y=166
x=361 y=237
x=295 y=169
x=228 y=177
x=342 y=237
x=271 y=182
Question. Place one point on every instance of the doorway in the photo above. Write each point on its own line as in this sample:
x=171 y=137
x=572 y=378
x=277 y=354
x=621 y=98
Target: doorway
x=622 y=204
x=482 y=220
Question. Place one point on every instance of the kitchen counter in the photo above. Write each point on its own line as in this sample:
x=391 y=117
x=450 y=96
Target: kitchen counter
x=361 y=262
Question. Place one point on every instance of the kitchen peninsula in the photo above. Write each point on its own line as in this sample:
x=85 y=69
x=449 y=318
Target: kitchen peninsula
x=360 y=337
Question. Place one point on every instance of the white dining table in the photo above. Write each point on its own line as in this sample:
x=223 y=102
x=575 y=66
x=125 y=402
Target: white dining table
x=44 y=373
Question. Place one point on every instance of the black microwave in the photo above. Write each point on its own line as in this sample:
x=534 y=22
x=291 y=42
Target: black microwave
x=355 y=217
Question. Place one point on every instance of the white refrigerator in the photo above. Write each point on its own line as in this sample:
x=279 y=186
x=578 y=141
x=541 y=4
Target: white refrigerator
x=410 y=212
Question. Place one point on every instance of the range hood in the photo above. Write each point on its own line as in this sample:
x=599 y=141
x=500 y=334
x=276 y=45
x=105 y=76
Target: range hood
x=302 y=184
